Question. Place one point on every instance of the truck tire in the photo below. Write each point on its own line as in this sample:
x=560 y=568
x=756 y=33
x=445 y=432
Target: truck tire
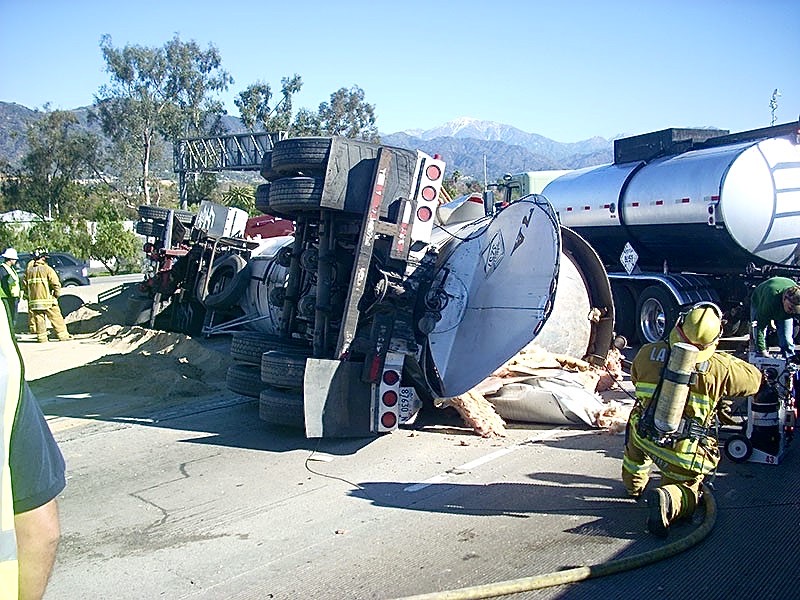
x=228 y=281
x=262 y=202
x=283 y=369
x=266 y=168
x=306 y=156
x=250 y=346
x=244 y=380
x=262 y=198
x=295 y=194
x=159 y=213
x=281 y=407
x=149 y=229
x=656 y=313
x=624 y=311
x=188 y=317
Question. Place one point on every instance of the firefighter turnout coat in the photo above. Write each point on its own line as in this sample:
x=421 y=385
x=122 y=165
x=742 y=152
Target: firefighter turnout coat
x=722 y=375
x=41 y=285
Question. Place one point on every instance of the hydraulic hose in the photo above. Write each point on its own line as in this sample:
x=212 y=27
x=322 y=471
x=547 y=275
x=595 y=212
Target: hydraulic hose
x=526 y=584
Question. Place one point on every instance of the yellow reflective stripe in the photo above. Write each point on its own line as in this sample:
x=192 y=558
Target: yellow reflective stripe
x=643 y=387
x=633 y=467
x=684 y=454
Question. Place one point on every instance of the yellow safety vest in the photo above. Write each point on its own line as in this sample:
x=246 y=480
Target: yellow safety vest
x=11 y=386
x=14 y=287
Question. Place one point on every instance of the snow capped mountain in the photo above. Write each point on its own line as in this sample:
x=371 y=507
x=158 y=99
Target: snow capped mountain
x=467 y=127
x=465 y=141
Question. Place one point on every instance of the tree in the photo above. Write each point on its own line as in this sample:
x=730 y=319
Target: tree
x=11 y=236
x=243 y=197
x=113 y=245
x=201 y=186
x=63 y=234
x=256 y=111
x=154 y=93
x=347 y=114
x=60 y=151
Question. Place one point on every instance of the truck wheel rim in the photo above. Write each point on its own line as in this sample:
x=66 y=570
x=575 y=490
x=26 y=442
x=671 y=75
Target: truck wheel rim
x=653 y=319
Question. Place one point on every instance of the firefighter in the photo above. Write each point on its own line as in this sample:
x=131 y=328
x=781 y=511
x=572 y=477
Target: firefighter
x=10 y=289
x=42 y=288
x=682 y=444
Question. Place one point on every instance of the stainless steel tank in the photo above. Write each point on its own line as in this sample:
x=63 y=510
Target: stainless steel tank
x=714 y=209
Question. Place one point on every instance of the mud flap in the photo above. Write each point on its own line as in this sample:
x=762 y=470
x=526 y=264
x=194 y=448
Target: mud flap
x=336 y=401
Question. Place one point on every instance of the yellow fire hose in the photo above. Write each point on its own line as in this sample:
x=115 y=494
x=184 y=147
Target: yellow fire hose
x=526 y=584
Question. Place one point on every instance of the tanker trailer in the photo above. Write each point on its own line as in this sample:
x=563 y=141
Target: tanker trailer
x=383 y=299
x=683 y=216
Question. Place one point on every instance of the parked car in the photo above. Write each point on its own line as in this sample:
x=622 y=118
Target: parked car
x=71 y=270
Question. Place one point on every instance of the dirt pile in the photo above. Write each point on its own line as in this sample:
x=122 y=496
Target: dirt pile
x=159 y=362
x=90 y=317
x=144 y=363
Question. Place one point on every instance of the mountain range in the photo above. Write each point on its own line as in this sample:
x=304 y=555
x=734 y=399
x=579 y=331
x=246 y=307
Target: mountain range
x=470 y=146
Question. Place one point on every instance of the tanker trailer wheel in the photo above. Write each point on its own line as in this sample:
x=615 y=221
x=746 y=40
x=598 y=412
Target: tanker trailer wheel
x=281 y=407
x=306 y=156
x=262 y=202
x=738 y=448
x=250 y=346
x=295 y=194
x=266 y=167
x=283 y=369
x=262 y=198
x=244 y=380
x=624 y=311
x=657 y=312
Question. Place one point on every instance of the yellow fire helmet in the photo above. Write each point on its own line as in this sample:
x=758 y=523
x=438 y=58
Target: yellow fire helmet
x=700 y=326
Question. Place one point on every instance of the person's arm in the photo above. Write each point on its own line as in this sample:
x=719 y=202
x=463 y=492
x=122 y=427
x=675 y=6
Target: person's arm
x=761 y=335
x=37 y=477
x=55 y=283
x=4 y=275
x=37 y=532
x=743 y=378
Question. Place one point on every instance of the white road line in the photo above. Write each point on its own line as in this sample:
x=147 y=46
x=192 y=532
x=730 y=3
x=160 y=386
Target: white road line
x=538 y=437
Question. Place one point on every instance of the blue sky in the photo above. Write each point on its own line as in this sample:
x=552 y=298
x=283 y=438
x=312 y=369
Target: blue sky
x=568 y=69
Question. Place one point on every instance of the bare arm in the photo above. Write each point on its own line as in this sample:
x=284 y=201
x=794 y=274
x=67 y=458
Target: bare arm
x=37 y=539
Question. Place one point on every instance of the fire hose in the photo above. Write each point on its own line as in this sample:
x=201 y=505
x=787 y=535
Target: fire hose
x=526 y=584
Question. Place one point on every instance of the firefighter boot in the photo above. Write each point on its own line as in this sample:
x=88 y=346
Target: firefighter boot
x=659 y=507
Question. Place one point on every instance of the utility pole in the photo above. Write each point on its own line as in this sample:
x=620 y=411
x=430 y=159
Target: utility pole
x=773 y=104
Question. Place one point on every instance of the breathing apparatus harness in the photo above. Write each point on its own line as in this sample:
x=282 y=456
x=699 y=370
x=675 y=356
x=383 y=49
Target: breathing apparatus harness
x=663 y=421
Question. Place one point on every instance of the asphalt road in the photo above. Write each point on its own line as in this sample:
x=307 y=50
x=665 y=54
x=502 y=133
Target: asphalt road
x=204 y=501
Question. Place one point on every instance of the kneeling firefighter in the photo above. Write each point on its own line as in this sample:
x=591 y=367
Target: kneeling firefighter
x=679 y=383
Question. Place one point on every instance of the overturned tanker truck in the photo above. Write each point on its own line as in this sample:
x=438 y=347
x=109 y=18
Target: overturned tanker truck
x=384 y=299
x=687 y=215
